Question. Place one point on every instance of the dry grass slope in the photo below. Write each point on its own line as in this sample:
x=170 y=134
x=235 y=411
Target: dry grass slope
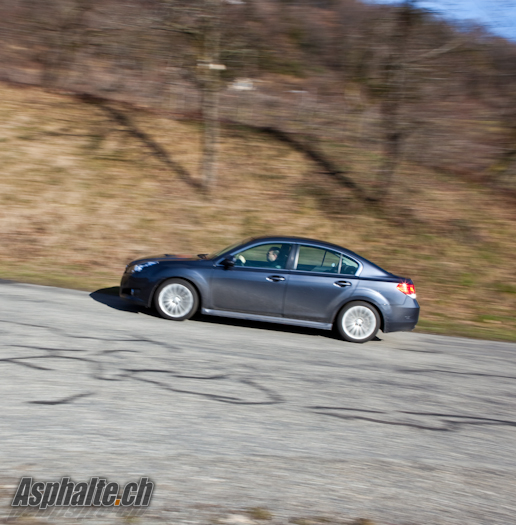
x=83 y=192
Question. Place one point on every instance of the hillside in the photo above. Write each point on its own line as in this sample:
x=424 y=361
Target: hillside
x=395 y=81
x=89 y=184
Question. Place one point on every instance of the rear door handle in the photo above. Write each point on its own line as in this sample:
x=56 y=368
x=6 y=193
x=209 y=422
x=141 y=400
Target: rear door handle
x=275 y=278
x=342 y=284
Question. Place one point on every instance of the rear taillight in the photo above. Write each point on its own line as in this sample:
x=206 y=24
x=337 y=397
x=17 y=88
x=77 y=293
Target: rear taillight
x=408 y=289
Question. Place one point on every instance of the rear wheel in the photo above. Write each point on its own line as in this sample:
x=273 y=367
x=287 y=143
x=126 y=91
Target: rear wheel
x=358 y=322
x=176 y=299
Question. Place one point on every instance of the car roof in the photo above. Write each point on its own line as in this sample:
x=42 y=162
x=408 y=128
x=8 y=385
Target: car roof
x=369 y=267
x=299 y=240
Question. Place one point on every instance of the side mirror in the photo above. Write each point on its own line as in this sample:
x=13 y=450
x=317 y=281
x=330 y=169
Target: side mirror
x=229 y=261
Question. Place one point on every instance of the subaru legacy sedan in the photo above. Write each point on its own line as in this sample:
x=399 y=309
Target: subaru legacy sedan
x=288 y=280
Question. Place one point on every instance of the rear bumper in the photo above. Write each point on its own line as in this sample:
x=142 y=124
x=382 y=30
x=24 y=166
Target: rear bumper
x=402 y=319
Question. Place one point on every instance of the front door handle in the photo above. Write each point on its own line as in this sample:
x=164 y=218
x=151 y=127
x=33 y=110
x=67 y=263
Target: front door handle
x=275 y=278
x=342 y=284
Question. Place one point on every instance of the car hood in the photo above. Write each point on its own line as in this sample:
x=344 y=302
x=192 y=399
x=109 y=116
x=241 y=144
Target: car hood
x=166 y=257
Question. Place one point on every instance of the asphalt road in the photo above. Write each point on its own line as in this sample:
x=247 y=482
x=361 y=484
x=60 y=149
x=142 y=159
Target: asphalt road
x=227 y=415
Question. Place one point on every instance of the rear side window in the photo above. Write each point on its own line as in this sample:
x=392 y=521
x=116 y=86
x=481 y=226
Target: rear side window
x=313 y=259
x=318 y=260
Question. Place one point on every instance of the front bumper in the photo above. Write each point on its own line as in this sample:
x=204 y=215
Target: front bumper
x=136 y=289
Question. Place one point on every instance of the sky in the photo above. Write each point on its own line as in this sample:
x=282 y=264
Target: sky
x=497 y=15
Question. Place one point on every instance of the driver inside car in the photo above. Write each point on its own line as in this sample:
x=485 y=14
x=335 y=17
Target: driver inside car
x=272 y=257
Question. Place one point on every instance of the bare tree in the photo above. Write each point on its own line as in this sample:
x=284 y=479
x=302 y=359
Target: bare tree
x=393 y=79
x=397 y=68
x=210 y=85
x=497 y=90
x=63 y=22
x=198 y=25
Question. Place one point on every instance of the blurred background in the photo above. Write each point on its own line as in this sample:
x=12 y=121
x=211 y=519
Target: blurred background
x=135 y=127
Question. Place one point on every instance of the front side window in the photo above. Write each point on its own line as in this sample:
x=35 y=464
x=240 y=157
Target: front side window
x=271 y=255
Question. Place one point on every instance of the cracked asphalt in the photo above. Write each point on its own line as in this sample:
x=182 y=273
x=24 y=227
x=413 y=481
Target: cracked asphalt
x=226 y=415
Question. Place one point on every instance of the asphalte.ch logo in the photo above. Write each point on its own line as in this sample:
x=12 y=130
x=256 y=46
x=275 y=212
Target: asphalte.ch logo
x=96 y=492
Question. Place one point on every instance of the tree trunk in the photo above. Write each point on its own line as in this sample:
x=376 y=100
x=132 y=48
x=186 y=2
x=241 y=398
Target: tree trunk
x=67 y=36
x=211 y=132
x=210 y=93
x=394 y=86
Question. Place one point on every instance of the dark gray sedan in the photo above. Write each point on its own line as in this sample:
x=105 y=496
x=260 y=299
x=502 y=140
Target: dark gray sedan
x=288 y=280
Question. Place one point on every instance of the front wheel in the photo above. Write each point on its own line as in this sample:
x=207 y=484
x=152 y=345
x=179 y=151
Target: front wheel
x=176 y=299
x=358 y=322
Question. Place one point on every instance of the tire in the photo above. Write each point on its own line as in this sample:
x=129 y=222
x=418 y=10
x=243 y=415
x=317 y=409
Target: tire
x=176 y=299
x=358 y=322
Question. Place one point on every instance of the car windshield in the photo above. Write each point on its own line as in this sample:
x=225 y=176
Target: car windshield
x=228 y=248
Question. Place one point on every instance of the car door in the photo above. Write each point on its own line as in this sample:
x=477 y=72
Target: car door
x=316 y=288
x=257 y=282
